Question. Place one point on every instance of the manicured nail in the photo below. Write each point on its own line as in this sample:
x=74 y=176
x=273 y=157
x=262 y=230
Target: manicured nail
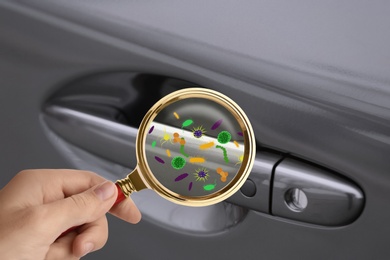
x=88 y=248
x=105 y=190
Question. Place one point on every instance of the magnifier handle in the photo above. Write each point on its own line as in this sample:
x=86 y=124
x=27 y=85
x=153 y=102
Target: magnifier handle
x=119 y=199
x=121 y=195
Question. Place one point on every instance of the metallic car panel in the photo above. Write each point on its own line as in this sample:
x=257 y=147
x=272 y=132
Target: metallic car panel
x=313 y=78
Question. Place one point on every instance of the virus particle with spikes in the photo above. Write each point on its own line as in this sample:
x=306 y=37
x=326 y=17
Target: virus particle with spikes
x=201 y=174
x=198 y=132
x=224 y=137
x=178 y=162
x=240 y=159
x=165 y=138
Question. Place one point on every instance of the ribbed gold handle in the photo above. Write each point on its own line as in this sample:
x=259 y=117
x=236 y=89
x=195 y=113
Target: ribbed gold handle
x=126 y=186
x=132 y=183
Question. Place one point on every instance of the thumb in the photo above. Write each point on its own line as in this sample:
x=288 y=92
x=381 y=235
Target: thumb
x=84 y=207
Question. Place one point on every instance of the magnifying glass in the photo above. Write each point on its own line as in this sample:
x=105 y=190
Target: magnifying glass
x=194 y=147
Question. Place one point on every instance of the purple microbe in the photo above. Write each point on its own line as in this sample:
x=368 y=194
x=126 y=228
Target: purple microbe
x=202 y=174
x=151 y=129
x=198 y=133
x=216 y=124
x=240 y=133
x=159 y=159
x=190 y=186
x=181 y=177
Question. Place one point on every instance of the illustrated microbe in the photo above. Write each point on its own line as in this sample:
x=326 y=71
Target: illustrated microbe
x=159 y=159
x=151 y=129
x=176 y=138
x=224 y=137
x=237 y=145
x=222 y=173
x=210 y=186
x=206 y=146
x=178 y=162
x=168 y=153
x=176 y=115
x=216 y=124
x=181 y=177
x=186 y=123
x=197 y=160
x=166 y=137
x=182 y=151
x=240 y=159
x=198 y=132
x=240 y=133
x=190 y=186
x=201 y=174
x=225 y=157
x=154 y=144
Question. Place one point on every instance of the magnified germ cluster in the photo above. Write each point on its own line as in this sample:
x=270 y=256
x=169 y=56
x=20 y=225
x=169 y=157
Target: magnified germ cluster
x=189 y=147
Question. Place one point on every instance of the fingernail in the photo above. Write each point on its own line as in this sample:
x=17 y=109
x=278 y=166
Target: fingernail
x=88 y=248
x=105 y=190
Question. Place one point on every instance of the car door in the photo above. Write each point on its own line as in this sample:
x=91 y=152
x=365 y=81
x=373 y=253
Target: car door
x=78 y=76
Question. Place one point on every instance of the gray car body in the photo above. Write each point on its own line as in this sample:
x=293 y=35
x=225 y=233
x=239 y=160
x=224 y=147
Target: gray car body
x=313 y=78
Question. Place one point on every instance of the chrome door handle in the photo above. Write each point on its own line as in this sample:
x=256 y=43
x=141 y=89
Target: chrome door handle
x=115 y=142
x=87 y=116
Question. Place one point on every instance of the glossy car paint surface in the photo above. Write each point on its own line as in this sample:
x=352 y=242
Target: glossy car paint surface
x=313 y=79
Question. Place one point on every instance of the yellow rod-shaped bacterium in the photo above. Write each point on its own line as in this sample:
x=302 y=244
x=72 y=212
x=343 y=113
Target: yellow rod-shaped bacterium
x=176 y=115
x=168 y=153
x=237 y=145
x=197 y=160
x=206 y=145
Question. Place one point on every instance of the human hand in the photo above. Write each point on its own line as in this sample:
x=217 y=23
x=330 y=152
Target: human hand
x=37 y=206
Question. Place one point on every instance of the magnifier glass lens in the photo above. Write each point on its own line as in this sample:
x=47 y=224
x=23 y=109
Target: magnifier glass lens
x=194 y=147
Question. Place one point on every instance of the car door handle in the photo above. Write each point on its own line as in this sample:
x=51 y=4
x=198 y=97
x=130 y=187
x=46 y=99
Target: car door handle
x=107 y=139
x=115 y=142
x=90 y=122
x=93 y=143
x=325 y=198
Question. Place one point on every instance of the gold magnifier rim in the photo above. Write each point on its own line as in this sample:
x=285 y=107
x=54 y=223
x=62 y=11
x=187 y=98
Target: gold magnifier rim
x=249 y=147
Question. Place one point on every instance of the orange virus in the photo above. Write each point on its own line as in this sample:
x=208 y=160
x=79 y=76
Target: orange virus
x=181 y=141
x=176 y=138
x=222 y=173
